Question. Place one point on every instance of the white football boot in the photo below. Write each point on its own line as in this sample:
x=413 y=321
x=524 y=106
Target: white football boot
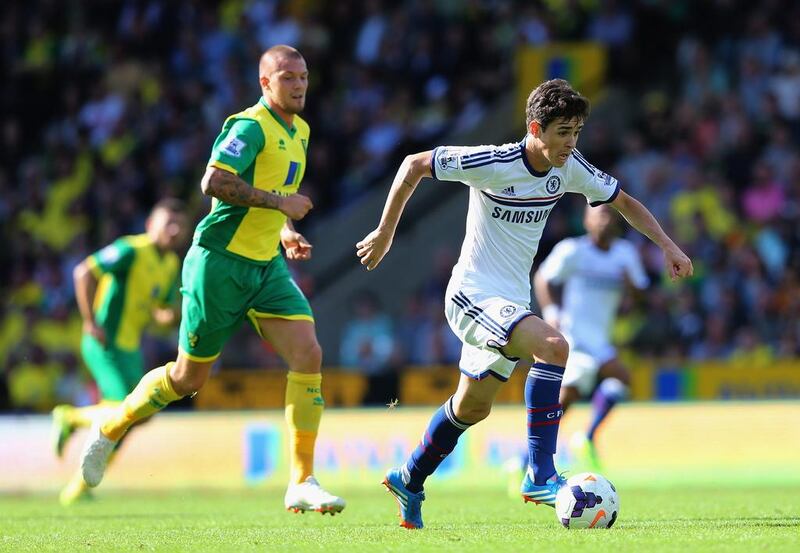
x=309 y=496
x=94 y=458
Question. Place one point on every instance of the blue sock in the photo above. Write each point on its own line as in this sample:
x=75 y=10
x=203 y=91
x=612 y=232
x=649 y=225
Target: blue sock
x=544 y=414
x=439 y=441
x=610 y=392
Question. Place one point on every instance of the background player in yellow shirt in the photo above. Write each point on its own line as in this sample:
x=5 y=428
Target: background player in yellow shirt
x=235 y=271
x=120 y=290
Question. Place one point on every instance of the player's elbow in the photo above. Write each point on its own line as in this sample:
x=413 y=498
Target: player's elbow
x=80 y=272
x=207 y=182
x=418 y=165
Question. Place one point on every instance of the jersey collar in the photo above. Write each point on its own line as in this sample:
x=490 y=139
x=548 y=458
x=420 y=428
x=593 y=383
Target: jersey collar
x=291 y=130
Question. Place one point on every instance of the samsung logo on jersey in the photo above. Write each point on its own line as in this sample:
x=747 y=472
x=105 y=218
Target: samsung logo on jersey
x=520 y=216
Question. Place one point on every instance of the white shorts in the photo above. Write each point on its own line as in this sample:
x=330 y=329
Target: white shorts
x=483 y=323
x=583 y=363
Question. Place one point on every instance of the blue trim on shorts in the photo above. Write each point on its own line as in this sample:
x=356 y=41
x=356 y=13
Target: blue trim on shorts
x=484 y=374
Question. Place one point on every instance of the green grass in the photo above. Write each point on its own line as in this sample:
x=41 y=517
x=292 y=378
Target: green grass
x=718 y=518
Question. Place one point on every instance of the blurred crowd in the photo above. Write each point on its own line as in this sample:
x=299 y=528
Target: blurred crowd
x=715 y=156
x=109 y=105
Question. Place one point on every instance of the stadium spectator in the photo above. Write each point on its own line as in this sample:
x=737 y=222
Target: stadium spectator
x=105 y=111
x=368 y=346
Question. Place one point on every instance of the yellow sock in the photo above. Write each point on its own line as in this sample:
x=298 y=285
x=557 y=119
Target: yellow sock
x=304 y=406
x=77 y=487
x=74 y=490
x=81 y=417
x=152 y=394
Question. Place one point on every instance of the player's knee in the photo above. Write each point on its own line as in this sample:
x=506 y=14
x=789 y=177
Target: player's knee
x=557 y=350
x=307 y=358
x=471 y=410
x=615 y=369
x=624 y=376
x=314 y=356
x=187 y=382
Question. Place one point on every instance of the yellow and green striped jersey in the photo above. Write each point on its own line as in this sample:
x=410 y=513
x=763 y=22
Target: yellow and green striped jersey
x=133 y=278
x=259 y=147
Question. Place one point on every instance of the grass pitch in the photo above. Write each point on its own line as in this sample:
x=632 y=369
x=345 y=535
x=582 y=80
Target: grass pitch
x=664 y=518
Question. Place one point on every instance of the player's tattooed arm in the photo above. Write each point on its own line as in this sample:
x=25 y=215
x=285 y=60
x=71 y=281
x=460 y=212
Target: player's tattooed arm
x=376 y=244
x=231 y=189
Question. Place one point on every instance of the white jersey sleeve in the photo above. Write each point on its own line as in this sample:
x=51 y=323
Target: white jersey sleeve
x=634 y=269
x=559 y=265
x=584 y=178
x=475 y=166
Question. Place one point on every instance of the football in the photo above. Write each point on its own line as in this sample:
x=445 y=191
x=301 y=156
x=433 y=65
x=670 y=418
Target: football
x=587 y=500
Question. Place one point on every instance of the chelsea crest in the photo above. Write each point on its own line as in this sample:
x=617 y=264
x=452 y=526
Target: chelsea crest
x=553 y=184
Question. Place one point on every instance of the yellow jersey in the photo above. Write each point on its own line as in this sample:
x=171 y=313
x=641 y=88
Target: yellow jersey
x=259 y=147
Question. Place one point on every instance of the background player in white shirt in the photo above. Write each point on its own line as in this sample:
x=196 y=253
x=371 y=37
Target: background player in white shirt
x=512 y=190
x=592 y=272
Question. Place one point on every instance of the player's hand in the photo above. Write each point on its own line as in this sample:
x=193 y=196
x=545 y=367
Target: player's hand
x=165 y=316
x=373 y=247
x=296 y=246
x=91 y=328
x=678 y=263
x=295 y=206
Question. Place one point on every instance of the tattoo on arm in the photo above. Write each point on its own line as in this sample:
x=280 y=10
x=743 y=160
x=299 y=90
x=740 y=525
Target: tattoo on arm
x=233 y=190
x=411 y=186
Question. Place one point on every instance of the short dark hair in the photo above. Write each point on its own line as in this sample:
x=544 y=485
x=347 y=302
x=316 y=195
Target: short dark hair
x=173 y=205
x=553 y=99
x=283 y=50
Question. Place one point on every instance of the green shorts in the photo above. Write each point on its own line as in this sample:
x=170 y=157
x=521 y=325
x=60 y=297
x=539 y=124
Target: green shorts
x=116 y=371
x=220 y=291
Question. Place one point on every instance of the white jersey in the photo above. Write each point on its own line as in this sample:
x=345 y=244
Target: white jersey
x=509 y=202
x=593 y=280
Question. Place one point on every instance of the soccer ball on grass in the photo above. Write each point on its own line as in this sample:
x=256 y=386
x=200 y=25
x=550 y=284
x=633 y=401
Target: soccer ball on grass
x=587 y=500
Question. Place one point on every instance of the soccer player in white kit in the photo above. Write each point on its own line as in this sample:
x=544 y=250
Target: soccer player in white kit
x=593 y=271
x=512 y=189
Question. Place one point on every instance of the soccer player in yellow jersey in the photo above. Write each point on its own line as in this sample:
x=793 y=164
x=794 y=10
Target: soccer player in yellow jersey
x=235 y=271
x=120 y=290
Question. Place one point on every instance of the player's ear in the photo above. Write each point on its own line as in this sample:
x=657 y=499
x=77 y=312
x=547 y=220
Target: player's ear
x=534 y=128
x=264 y=81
